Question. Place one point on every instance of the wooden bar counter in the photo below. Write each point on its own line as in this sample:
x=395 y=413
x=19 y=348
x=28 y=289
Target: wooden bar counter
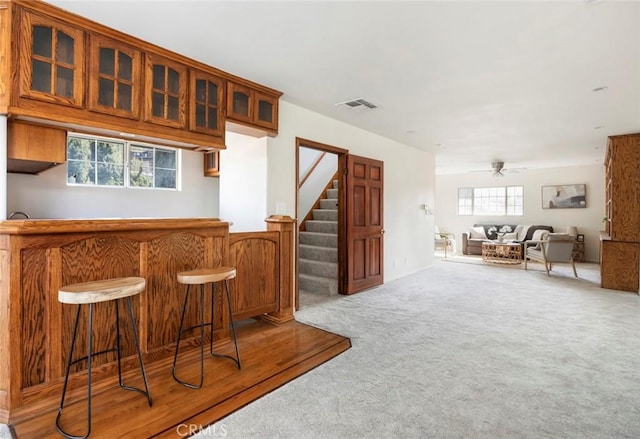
x=37 y=257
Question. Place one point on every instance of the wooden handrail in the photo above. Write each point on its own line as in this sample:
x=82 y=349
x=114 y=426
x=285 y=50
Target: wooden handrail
x=310 y=171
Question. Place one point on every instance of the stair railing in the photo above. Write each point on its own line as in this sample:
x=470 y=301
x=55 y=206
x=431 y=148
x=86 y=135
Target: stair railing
x=311 y=169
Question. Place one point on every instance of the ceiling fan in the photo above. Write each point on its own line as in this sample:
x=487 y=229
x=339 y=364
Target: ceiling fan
x=498 y=169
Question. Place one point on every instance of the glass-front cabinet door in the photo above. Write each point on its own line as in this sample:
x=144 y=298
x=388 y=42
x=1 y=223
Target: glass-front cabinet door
x=265 y=111
x=52 y=61
x=165 y=92
x=206 y=113
x=238 y=102
x=114 y=78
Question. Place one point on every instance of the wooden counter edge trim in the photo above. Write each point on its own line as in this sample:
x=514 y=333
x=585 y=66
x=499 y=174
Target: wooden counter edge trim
x=280 y=219
x=34 y=227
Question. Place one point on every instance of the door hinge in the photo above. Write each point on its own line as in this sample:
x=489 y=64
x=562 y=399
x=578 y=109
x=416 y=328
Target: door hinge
x=345 y=280
x=346 y=171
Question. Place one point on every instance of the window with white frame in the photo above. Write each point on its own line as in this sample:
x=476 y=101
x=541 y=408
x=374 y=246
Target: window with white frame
x=99 y=161
x=495 y=201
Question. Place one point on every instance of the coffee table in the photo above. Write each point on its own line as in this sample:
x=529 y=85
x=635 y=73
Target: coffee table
x=501 y=252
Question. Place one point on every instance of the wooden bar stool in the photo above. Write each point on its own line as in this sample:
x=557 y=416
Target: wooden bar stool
x=90 y=293
x=201 y=277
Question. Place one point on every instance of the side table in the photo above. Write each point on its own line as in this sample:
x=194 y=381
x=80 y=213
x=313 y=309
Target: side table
x=578 y=251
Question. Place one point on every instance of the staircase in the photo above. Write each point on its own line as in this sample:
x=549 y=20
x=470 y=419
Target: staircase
x=318 y=259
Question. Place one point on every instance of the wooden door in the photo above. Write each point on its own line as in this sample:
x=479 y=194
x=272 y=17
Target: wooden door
x=364 y=229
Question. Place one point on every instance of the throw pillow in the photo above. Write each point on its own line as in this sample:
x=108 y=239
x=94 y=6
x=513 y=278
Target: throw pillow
x=477 y=233
x=510 y=236
x=521 y=230
x=539 y=235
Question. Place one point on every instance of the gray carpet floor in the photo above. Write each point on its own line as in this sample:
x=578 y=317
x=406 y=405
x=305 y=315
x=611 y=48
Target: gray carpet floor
x=465 y=351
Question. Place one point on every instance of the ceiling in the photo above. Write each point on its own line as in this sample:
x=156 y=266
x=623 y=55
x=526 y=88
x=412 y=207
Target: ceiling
x=472 y=82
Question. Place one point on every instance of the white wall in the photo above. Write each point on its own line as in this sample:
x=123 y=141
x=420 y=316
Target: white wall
x=48 y=196
x=588 y=220
x=409 y=182
x=314 y=186
x=243 y=182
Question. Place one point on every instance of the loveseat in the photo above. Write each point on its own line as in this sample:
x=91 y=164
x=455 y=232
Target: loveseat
x=479 y=233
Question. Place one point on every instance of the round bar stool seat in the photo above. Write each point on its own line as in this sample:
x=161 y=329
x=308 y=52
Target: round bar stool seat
x=203 y=276
x=90 y=293
x=206 y=275
x=101 y=290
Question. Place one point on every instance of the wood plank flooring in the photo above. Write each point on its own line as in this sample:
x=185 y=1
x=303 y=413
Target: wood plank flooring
x=271 y=356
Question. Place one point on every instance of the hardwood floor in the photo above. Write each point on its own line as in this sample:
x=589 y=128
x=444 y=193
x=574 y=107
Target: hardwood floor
x=271 y=356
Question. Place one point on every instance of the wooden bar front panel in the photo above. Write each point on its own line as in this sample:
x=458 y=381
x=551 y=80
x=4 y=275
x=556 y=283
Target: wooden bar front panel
x=41 y=256
x=37 y=257
x=255 y=289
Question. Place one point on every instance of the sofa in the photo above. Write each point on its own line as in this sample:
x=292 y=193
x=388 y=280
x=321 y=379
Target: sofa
x=479 y=233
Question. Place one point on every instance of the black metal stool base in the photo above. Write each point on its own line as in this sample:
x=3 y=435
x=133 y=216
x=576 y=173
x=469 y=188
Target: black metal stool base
x=202 y=324
x=88 y=358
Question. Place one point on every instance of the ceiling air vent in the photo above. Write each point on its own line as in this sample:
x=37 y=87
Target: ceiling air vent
x=357 y=103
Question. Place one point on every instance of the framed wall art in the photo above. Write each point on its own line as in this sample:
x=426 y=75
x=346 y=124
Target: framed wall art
x=564 y=196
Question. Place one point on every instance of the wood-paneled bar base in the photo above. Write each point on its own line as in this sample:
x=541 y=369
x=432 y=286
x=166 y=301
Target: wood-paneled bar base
x=38 y=257
x=272 y=355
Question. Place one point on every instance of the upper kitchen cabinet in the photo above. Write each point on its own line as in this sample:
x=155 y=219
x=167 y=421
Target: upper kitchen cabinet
x=206 y=109
x=239 y=107
x=51 y=60
x=265 y=111
x=115 y=78
x=252 y=107
x=165 y=99
x=63 y=70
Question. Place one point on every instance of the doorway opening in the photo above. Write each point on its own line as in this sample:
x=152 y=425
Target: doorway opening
x=342 y=232
x=320 y=212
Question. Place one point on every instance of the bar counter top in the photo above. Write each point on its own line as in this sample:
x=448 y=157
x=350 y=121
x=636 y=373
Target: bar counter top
x=40 y=226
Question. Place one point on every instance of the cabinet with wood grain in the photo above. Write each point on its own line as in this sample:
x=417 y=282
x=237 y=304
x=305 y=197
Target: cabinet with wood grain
x=620 y=241
x=115 y=77
x=252 y=107
x=62 y=70
x=51 y=61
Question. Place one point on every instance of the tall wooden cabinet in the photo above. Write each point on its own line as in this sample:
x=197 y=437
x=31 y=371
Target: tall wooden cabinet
x=620 y=241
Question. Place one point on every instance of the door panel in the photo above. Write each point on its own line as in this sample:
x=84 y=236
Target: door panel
x=364 y=228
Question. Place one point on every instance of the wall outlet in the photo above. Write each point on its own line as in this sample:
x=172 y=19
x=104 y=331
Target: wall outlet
x=281 y=208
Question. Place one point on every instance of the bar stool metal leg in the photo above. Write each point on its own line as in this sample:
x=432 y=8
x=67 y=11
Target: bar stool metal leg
x=66 y=377
x=145 y=392
x=181 y=331
x=233 y=326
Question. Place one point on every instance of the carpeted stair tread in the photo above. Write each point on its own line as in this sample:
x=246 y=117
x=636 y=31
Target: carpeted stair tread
x=325 y=214
x=328 y=203
x=319 y=239
x=318 y=268
x=318 y=285
x=317 y=253
x=322 y=226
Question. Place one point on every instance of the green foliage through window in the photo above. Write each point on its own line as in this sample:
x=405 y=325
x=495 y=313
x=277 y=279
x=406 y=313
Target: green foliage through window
x=101 y=162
